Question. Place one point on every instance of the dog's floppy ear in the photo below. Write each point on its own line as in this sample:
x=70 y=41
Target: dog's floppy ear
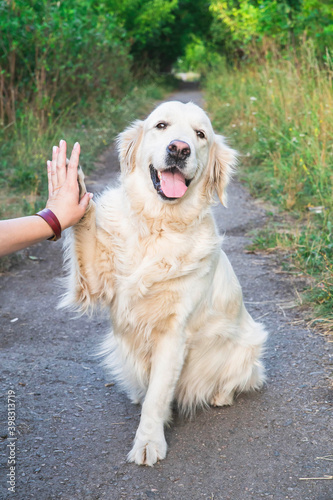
x=127 y=145
x=222 y=166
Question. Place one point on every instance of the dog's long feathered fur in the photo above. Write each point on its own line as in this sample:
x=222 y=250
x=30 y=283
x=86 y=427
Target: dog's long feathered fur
x=180 y=328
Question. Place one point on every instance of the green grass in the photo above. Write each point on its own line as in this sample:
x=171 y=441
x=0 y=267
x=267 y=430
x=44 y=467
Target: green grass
x=278 y=114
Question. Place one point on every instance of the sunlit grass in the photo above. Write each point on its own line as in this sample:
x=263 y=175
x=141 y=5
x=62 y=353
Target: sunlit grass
x=278 y=114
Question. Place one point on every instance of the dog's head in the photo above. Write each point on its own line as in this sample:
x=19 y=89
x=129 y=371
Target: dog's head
x=174 y=155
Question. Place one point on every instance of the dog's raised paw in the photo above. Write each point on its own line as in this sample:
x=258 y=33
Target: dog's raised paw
x=147 y=452
x=80 y=180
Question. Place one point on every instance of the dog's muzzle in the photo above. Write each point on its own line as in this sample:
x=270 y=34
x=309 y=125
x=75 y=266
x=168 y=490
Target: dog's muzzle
x=170 y=182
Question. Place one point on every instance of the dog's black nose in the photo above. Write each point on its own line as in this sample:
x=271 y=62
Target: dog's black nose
x=179 y=150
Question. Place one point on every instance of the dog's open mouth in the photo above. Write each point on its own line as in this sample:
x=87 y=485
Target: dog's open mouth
x=170 y=184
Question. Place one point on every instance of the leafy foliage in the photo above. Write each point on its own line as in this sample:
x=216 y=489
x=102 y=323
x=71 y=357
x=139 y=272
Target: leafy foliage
x=52 y=53
x=257 y=29
x=240 y=25
x=160 y=30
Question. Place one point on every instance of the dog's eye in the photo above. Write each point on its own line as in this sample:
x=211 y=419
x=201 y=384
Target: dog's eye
x=161 y=125
x=200 y=134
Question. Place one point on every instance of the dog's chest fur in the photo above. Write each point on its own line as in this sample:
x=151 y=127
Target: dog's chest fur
x=156 y=269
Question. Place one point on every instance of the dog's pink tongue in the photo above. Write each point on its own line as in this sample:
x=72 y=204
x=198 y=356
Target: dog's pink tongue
x=173 y=184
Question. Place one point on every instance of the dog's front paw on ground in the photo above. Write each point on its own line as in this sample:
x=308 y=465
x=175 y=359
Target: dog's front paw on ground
x=147 y=452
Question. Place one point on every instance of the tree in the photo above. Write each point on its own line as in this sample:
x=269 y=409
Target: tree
x=159 y=30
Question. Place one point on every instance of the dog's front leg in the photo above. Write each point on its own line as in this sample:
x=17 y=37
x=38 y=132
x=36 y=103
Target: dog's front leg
x=167 y=361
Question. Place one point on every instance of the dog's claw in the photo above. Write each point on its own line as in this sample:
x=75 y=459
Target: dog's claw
x=147 y=452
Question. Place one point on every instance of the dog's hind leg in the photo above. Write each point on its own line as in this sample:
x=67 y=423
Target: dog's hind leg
x=217 y=368
x=251 y=379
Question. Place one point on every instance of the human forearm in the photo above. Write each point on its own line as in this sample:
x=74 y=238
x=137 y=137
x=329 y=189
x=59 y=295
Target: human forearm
x=16 y=234
x=64 y=202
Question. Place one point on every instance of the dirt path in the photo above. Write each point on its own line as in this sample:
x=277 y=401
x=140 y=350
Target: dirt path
x=74 y=431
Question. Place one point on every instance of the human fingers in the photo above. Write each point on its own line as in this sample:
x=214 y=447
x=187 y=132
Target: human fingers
x=49 y=177
x=54 y=176
x=73 y=164
x=61 y=163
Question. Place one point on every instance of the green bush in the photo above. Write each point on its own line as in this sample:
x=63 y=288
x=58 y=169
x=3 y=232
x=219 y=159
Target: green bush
x=247 y=28
x=56 y=53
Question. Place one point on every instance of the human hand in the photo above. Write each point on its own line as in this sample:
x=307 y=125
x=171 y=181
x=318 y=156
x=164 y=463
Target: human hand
x=63 y=186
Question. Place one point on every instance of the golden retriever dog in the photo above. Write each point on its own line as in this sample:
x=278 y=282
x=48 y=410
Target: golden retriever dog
x=148 y=250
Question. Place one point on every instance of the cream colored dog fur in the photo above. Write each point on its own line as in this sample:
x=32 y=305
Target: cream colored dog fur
x=180 y=329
